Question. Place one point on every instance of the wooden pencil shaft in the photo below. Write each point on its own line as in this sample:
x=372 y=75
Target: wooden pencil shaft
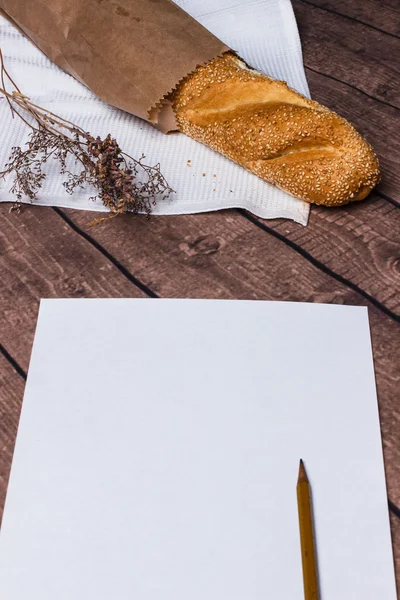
x=308 y=553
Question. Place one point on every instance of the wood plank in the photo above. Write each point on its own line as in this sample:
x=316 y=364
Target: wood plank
x=11 y=391
x=41 y=257
x=360 y=242
x=222 y=255
x=350 y=51
x=395 y=529
x=202 y=256
x=377 y=122
x=385 y=15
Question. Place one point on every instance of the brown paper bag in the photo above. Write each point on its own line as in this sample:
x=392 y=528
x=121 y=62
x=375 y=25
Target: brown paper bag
x=130 y=53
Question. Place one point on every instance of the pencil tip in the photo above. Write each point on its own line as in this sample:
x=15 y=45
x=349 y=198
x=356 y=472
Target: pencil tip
x=302 y=472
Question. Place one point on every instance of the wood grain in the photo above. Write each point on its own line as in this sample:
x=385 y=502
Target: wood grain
x=377 y=122
x=353 y=69
x=359 y=242
x=11 y=391
x=384 y=14
x=41 y=257
x=395 y=529
x=350 y=51
x=222 y=255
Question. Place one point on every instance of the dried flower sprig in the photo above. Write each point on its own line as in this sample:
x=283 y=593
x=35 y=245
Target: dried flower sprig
x=123 y=183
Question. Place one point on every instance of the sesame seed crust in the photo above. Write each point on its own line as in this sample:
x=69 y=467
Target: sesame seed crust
x=275 y=132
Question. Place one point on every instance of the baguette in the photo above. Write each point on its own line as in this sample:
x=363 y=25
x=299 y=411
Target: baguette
x=283 y=137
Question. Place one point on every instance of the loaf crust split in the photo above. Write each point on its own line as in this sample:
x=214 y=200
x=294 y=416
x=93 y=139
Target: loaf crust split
x=275 y=132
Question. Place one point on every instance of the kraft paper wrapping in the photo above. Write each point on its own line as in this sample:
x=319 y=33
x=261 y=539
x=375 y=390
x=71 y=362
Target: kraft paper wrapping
x=130 y=53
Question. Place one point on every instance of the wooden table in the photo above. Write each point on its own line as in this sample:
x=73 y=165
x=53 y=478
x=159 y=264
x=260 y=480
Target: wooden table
x=345 y=256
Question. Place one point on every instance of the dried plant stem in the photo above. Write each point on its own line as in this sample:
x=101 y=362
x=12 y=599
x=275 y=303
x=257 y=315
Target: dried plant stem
x=124 y=184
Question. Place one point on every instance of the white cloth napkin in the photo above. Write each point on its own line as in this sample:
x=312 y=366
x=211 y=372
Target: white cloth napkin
x=263 y=32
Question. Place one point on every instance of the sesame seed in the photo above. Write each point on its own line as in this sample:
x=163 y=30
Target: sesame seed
x=297 y=144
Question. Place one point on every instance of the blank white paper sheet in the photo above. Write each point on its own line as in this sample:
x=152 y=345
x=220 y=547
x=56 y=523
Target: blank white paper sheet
x=158 y=452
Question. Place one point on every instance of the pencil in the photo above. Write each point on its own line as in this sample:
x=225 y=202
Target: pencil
x=308 y=554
